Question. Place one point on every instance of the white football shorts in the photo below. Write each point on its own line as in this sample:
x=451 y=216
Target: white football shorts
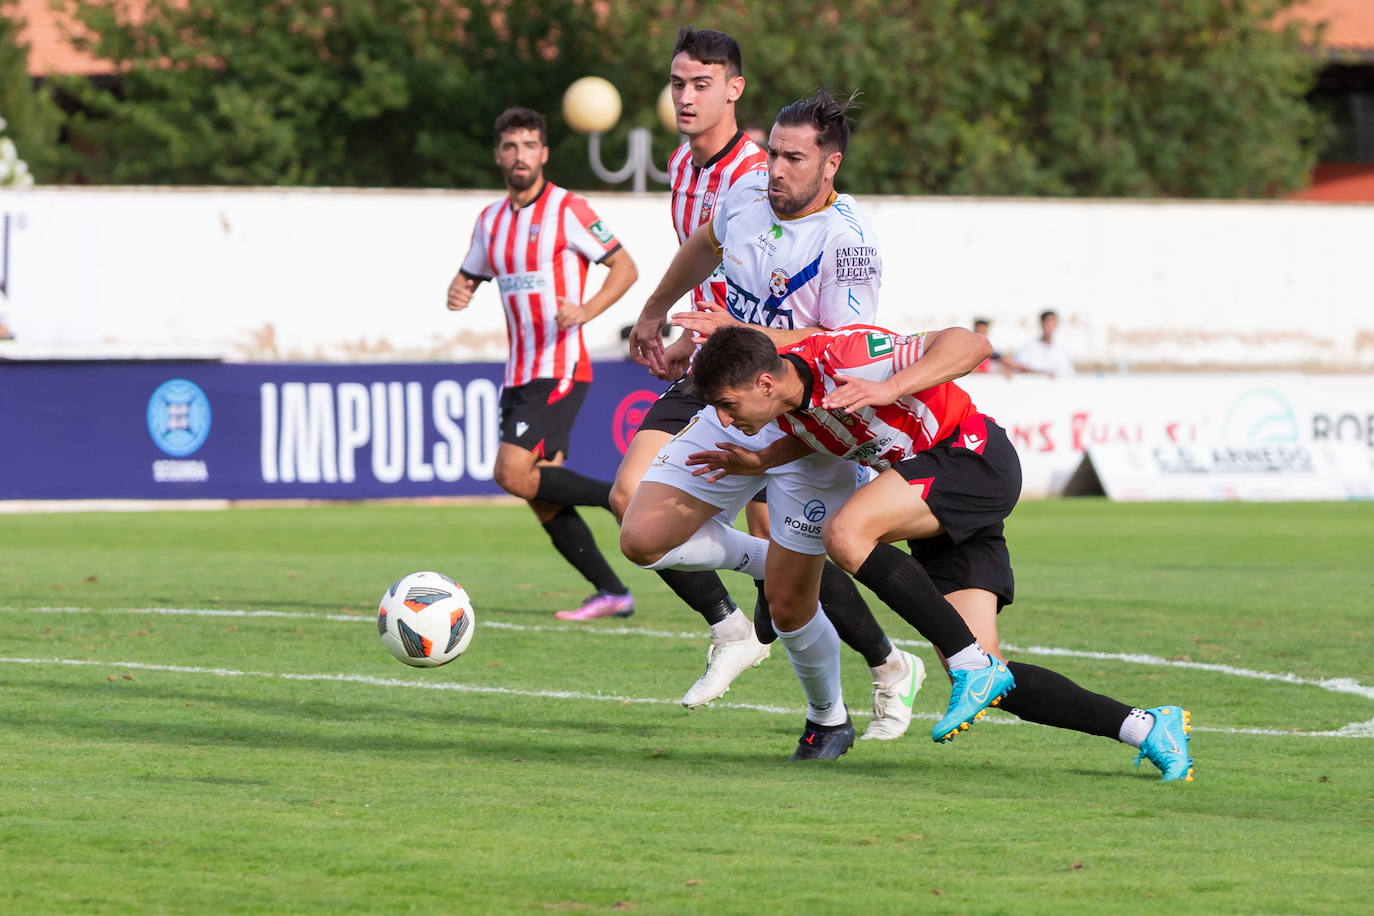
x=801 y=494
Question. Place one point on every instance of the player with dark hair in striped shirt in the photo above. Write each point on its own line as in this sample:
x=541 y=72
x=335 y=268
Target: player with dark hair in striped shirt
x=537 y=244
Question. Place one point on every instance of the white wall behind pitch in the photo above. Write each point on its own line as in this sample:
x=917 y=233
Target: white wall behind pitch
x=273 y=274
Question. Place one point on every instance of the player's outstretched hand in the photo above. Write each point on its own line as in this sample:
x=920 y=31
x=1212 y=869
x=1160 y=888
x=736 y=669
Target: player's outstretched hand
x=570 y=315
x=729 y=459
x=646 y=343
x=705 y=321
x=460 y=292
x=852 y=393
x=677 y=357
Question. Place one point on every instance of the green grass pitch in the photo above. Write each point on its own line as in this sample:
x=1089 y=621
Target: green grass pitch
x=196 y=715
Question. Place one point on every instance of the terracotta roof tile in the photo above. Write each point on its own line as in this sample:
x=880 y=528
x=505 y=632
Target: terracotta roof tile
x=1349 y=23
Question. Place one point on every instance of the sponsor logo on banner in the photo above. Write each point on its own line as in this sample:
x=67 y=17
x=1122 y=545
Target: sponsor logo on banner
x=179 y=423
x=629 y=414
x=319 y=432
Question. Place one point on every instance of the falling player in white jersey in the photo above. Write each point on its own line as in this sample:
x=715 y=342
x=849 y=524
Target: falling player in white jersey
x=796 y=258
x=537 y=244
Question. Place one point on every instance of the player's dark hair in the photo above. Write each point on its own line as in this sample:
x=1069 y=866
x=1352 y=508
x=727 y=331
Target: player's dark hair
x=708 y=46
x=1046 y=314
x=522 y=119
x=826 y=113
x=732 y=357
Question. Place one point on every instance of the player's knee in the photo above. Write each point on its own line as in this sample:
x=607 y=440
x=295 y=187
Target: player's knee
x=620 y=498
x=843 y=542
x=641 y=546
x=517 y=480
x=789 y=607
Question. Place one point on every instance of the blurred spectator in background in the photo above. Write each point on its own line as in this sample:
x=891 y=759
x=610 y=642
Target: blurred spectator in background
x=1042 y=355
x=980 y=326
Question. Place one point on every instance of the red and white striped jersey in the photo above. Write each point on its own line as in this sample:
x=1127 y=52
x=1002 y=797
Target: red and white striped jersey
x=538 y=256
x=873 y=436
x=697 y=190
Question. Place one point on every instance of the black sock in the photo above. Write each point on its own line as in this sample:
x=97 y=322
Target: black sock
x=703 y=592
x=573 y=539
x=565 y=487
x=1047 y=697
x=853 y=620
x=763 y=619
x=903 y=584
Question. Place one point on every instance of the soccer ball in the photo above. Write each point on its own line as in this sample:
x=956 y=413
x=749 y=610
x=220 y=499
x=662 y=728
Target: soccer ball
x=426 y=619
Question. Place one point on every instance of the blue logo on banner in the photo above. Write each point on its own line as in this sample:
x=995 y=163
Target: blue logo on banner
x=814 y=510
x=179 y=417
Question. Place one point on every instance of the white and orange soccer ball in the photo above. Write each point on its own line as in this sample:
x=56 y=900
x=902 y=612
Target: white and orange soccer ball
x=426 y=619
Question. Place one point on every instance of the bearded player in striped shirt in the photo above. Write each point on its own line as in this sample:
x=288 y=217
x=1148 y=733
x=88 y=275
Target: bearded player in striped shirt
x=537 y=244
x=949 y=477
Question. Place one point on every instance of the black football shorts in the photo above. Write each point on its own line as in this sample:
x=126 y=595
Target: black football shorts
x=971 y=481
x=539 y=415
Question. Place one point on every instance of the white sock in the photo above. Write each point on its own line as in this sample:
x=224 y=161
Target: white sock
x=890 y=666
x=716 y=545
x=970 y=658
x=734 y=626
x=814 y=650
x=1136 y=727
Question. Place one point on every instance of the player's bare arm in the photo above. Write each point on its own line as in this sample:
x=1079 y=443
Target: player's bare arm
x=623 y=274
x=946 y=355
x=460 y=292
x=729 y=458
x=712 y=316
x=692 y=264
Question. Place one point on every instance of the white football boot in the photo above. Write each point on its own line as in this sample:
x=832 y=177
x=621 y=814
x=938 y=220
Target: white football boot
x=895 y=683
x=726 y=659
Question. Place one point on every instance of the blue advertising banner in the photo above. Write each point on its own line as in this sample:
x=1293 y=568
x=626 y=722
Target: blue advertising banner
x=206 y=430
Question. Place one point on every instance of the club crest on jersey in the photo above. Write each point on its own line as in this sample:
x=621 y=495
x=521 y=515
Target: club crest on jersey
x=534 y=233
x=708 y=203
x=844 y=416
x=777 y=283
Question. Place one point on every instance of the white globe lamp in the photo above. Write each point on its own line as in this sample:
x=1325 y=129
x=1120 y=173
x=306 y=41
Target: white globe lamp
x=591 y=105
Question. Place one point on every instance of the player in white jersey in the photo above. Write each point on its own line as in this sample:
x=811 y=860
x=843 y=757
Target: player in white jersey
x=949 y=478
x=537 y=244
x=796 y=258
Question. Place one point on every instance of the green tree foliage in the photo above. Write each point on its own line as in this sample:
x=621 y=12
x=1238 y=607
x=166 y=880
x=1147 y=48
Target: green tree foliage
x=387 y=93
x=32 y=119
x=1191 y=98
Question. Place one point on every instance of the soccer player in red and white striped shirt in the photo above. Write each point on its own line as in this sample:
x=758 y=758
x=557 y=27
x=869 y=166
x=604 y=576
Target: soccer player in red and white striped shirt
x=706 y=77
x=950 y=476
x=537 y=244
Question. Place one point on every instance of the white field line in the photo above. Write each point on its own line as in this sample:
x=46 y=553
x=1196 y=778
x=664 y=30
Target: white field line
x=1337 y=685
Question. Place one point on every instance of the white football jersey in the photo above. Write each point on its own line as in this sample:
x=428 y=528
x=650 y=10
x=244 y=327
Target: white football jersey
x=819 y=270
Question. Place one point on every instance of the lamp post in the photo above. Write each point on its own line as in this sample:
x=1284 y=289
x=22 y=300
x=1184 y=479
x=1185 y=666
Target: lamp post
x=591 y=106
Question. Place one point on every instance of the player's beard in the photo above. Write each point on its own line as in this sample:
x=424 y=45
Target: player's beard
x=796 y=202
x=521 y=181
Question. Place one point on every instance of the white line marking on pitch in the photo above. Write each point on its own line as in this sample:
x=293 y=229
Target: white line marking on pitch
x=1337 y=685
x=1355 y=730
